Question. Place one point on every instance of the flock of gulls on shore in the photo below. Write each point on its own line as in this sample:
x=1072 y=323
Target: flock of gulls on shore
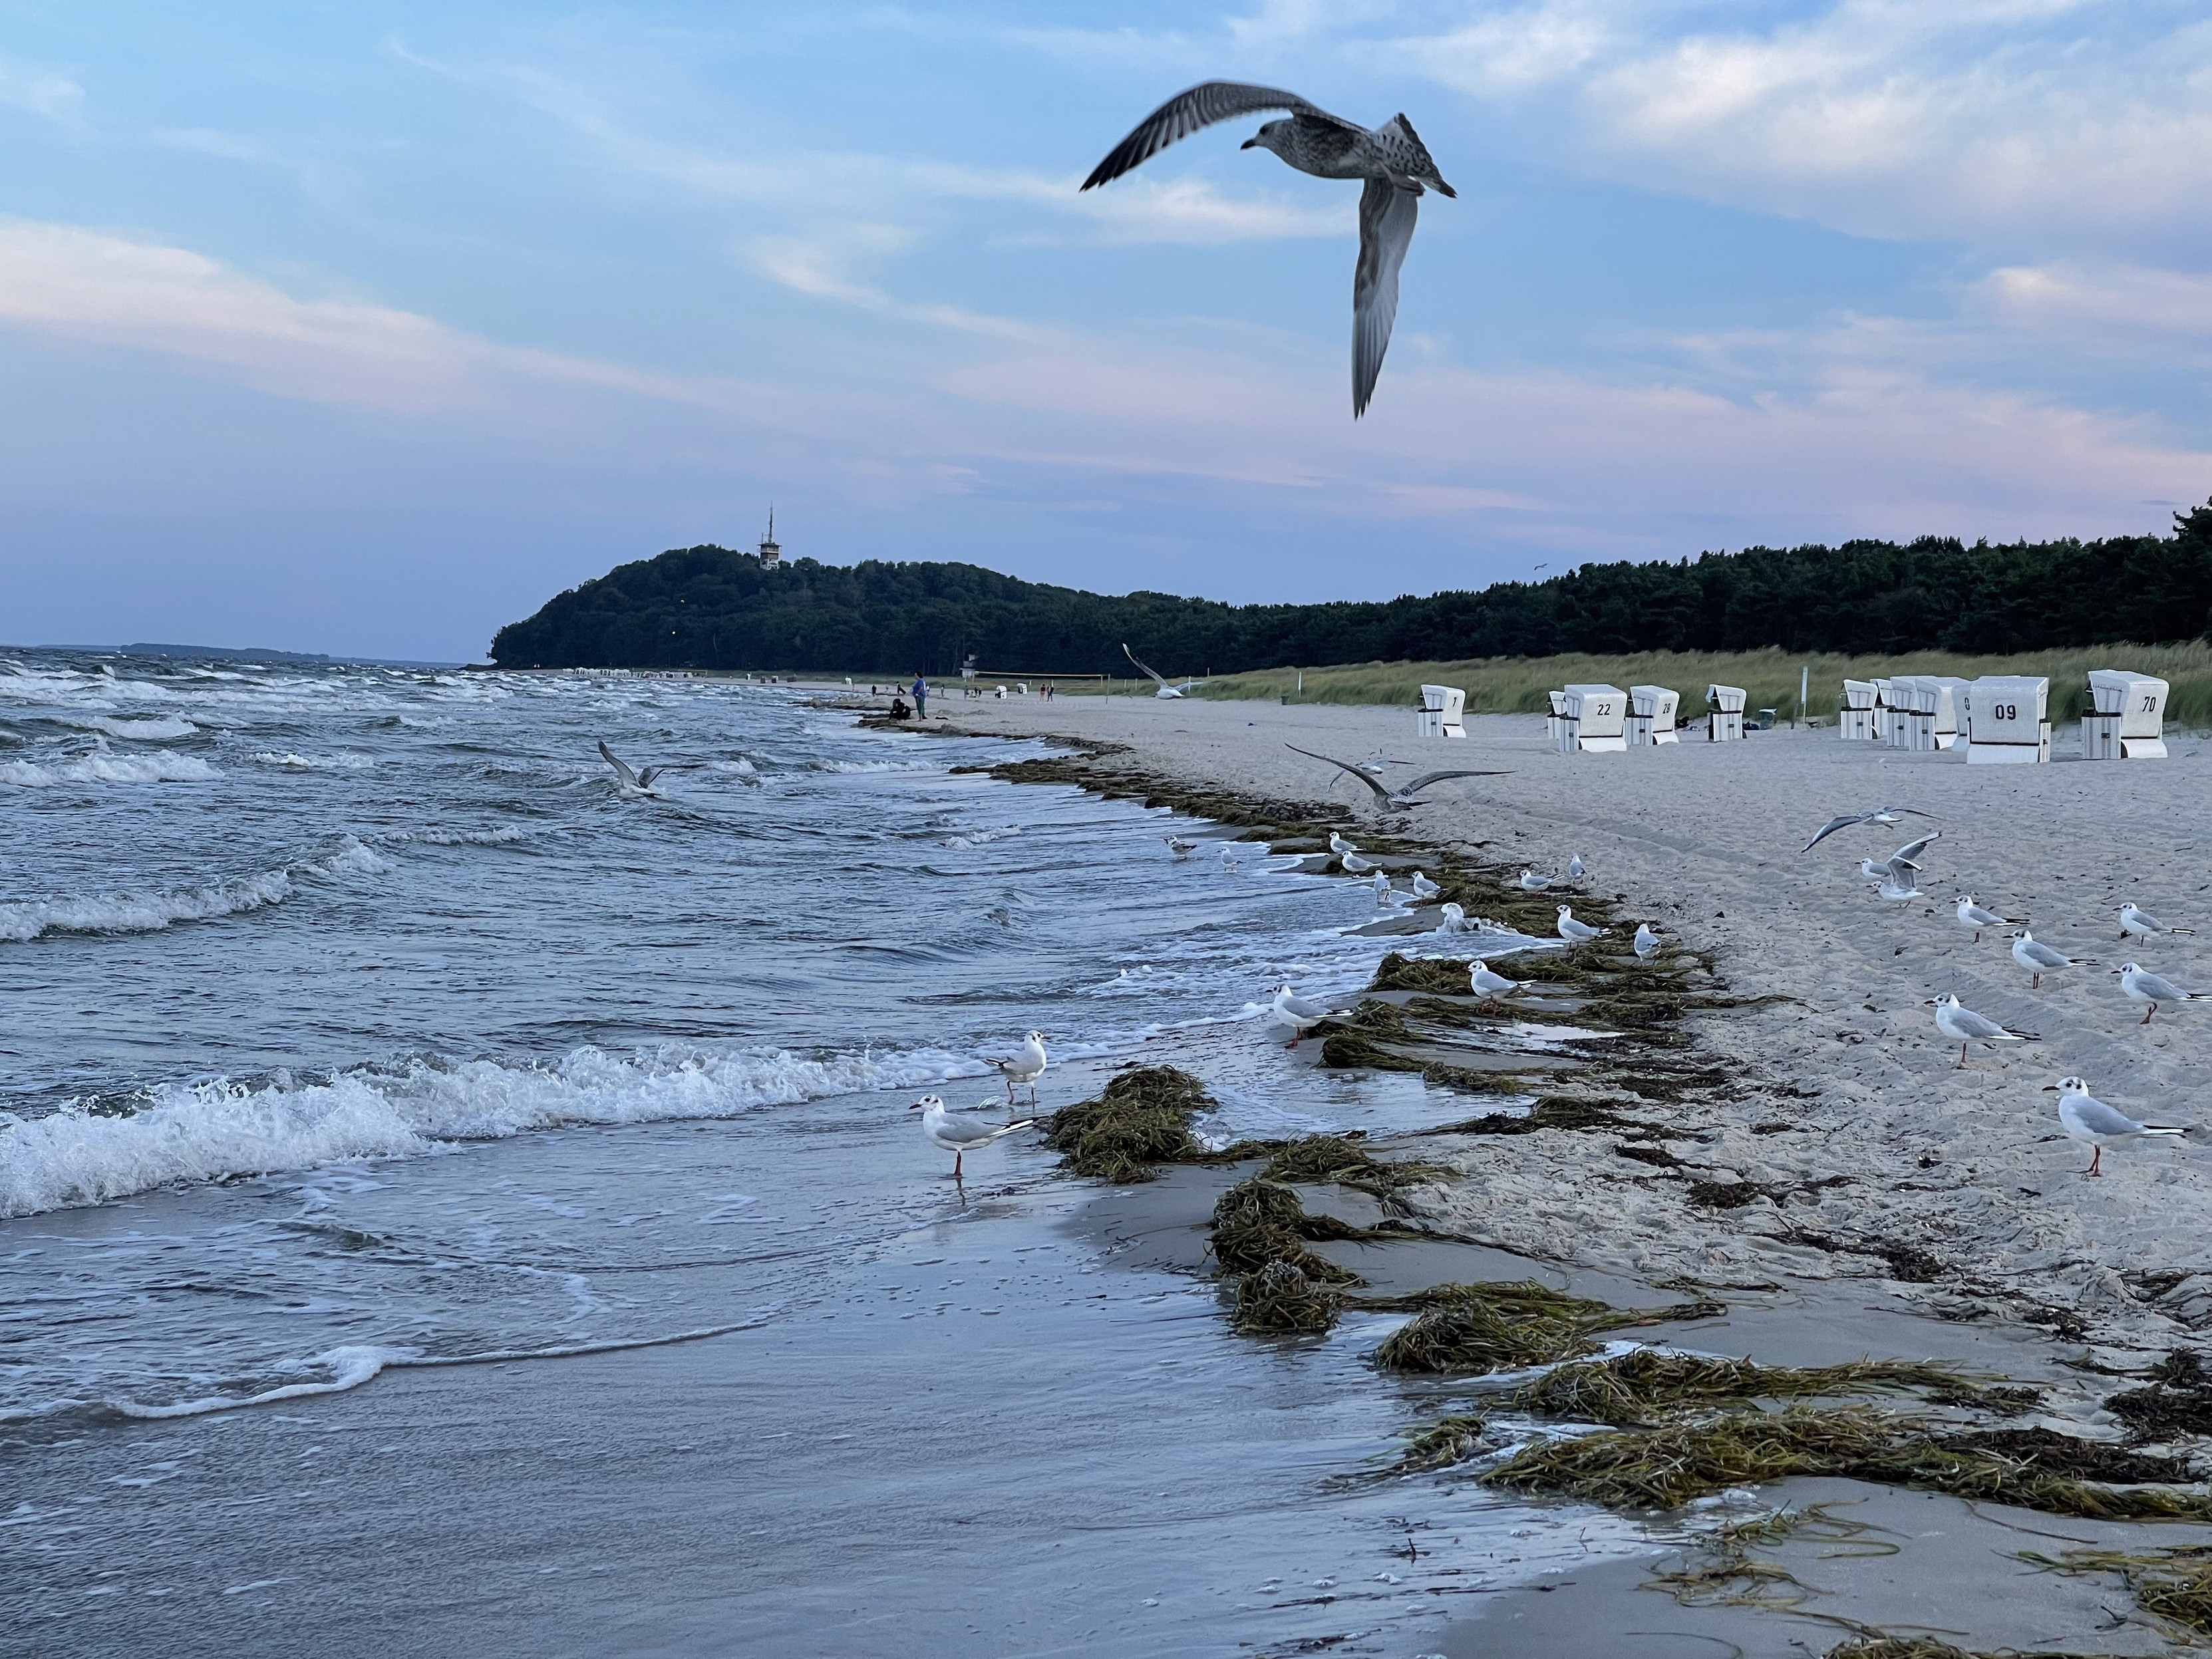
x=2083 y=1116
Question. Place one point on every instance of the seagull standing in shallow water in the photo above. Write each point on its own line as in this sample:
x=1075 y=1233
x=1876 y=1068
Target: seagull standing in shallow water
x=1027 y=1065
x=1295 y=1012
x=958 y=1132
x=1395 y=166
x=2087 y=1119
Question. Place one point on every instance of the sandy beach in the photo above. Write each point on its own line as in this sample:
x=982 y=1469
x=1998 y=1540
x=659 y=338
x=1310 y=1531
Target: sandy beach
x=1850 y=1078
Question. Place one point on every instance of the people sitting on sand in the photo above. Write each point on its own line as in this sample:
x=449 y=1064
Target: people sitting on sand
x=899 y=710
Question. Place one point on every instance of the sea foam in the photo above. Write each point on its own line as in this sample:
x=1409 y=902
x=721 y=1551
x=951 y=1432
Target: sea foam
x=103 y=768
x=210 y=1131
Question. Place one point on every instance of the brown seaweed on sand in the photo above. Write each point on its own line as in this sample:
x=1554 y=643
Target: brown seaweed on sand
x=1140 y=1120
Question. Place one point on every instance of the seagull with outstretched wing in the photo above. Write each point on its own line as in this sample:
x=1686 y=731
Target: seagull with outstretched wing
x=1879 y=815
x=1393 y=800
x=1396 y=167
x=1159 y=679
x=638 y=783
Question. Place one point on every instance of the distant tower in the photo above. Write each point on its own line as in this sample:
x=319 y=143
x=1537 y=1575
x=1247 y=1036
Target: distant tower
x=771 y=555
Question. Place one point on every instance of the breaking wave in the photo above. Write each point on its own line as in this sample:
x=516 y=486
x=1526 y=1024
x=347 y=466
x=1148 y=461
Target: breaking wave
x=211 y=1131
x=148 y=913
x=104 y=768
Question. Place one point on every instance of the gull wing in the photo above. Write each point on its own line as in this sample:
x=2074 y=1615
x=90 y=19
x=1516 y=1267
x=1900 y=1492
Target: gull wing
x=2161 y=990
x=1197 y=107
x=2037 y=951
x=1302 y=1008
x=1976 y=1026
x=1132 y=656
x=1913 y=850
x=1834 y=824
x=1428 y=778
x=621 y=766
x=2099 y=1119
x=1914 y=811
x=1386 y=212
x=1364 y=776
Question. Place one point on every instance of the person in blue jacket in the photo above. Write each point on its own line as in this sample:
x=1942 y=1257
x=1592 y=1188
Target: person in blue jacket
x=920 y=689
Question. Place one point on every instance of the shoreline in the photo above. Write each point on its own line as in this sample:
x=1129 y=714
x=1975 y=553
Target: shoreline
x=1756 y=1186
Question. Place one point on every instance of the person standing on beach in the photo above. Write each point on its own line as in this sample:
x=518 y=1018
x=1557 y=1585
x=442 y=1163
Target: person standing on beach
x=920 y=698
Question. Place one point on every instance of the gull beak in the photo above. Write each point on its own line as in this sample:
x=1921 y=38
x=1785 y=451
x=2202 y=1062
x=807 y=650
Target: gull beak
x=1931 y=1002
x=2050 y=1087
x=916 y=1107
x=1248 y=144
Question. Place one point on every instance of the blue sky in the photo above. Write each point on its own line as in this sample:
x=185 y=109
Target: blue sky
x=365 y=327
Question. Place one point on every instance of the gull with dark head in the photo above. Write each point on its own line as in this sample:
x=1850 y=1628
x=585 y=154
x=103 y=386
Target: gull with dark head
x=2089 y=1121
x=1394 y=164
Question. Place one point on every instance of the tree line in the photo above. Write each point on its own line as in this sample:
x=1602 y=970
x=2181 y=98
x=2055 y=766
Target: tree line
x=711 y=607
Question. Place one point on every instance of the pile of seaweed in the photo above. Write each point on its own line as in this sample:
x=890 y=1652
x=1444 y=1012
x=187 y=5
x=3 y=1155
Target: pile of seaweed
x=1475 y=1328
x=1140 y=1120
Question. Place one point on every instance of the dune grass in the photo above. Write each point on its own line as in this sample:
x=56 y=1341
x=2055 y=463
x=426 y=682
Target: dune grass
x=1517 y=685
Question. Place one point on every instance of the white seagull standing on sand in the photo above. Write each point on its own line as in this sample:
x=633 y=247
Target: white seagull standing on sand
x=959 y=1132
x=2141 y=924
x=2087 y=1119
x=1530 y=881
x=1424 y=888
x=1576 y=868
x=1576 y=932
x=1295 y=1012
x=1490 y=985
x=2150 y=990
x=1338 y=845
x=1356 y=865
x=1963 y=1026
x=1391 y=159
x=1647 y=942
x=2039 y=959
x=1971 y=915
x=1026 y=1067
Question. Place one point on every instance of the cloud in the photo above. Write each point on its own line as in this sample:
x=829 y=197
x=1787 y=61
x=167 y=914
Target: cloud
x=2150 y=305
x=67 y=284
x=41 y=92
x=2022 y=119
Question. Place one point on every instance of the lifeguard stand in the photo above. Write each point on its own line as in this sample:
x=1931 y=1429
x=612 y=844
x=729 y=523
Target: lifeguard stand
x=2007 y=721
x=1593 y=719
x=1443 y=708
x=2126 y=718
x=1724 y=714
x=1855 y=717
x=1651 y=711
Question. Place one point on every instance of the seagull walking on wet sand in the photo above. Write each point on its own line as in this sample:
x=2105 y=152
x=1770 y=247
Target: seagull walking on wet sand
x=1647 y=942
x=1963 y=1026
x=1356 y=865
x=1424 y=888
x=2149 y=989
x=2088 y=1119
x=1391 y=800
x=1026 y=1066
x=1576 y=868
x=2141 y=924
x=1394 y=166
x=961 y=1132
x=2039 y=958
x=1879 y=815
x=1296 y=1013
x=1576 y=932
x=1971 y=915
x=1338 y=845
x=1530 y=881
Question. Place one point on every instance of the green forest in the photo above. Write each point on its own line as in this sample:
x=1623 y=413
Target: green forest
x=710 y=607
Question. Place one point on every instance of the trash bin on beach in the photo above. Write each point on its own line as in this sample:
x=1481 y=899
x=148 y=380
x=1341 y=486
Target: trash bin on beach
x=2008 y=720
x=2126 y=718
x=1651 y=713
x=1855 y=715
x=1443 y=707
x=1593 y=718
x=1724 y=714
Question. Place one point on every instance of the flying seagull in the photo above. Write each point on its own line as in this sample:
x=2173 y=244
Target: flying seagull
x=639 y=782
x=1402 y=796
x=1395 y=166
x=1166 y=691
x=1879 y=815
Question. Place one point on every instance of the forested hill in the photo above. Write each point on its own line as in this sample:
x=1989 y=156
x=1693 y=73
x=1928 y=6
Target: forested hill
x=707 y=607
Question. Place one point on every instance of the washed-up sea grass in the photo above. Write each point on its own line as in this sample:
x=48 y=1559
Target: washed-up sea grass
x=1140 y=1120
x=1662 y=1468
x=1316 y=1160
x=1474 y=1329
x=2177 y=1401
x=1637 y=1386
x=1258 y=1222
x=2172 y=1585
x=1281 y=1300
x=1550 y=1112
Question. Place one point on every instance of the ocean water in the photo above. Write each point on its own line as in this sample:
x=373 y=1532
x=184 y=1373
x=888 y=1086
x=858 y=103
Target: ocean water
x=383 y=1089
